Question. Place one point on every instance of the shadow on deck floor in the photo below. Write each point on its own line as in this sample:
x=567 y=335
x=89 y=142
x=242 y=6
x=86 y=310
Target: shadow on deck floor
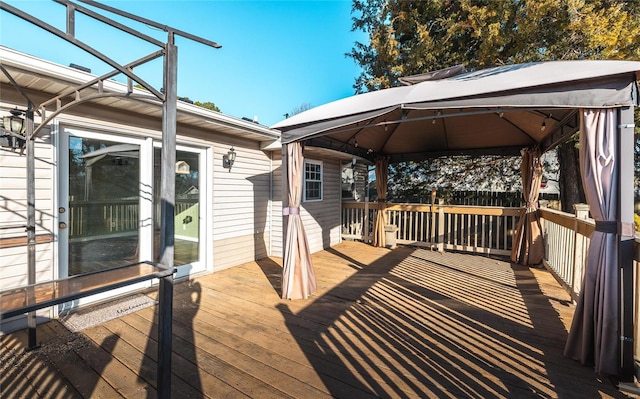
x=407 y=323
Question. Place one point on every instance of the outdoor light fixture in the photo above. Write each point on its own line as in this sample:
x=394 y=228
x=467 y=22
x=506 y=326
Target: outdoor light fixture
x=229 y=158
x=438 y=114
x=12 y=134
x=544 y=123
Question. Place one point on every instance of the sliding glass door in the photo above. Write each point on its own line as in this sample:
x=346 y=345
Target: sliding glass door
x=103 y=203
x=187 y=218
x=108 y=203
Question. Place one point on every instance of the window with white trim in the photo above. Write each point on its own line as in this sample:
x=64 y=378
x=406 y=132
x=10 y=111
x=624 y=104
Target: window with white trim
x=312 y=180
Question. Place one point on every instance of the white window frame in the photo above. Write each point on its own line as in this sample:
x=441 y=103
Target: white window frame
x=305 y=180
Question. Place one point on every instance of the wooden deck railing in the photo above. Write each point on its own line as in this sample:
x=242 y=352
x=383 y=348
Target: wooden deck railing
x=481 y=229
x=115 y=217
x=566 y=244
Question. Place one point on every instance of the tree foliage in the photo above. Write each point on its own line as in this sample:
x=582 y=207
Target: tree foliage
x=412 y=37
x=299 y=109
x=207 y=105
x=413 y=181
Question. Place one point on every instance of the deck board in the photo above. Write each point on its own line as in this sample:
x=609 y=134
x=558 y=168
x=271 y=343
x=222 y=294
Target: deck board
x=407 y=323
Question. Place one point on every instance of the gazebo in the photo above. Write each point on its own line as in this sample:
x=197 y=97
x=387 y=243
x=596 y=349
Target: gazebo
x=508 y=110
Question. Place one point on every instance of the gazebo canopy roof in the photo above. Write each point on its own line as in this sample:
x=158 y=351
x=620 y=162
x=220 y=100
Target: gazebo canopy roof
x=493 y=111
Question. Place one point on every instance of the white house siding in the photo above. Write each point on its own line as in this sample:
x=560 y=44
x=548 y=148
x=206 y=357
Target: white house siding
x=241 y=205
x=13 y=213
x=276 y=206
x=240 y=196
x=13 y=267
x=322 y=219
x=240 y=202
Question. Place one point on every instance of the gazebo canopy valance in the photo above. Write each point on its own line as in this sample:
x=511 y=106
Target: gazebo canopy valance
x=493 y=111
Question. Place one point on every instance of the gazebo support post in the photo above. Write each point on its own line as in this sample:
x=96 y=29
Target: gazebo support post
x=167 y=217
x=31 y=217
x=626 y=239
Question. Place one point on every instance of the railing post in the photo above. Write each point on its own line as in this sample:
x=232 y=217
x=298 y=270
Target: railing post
x=440 y=240
x=366 y=220
x=544 y=204
x=581 y=212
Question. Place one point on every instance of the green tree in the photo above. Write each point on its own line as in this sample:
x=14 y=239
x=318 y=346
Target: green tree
x=207 y=105
x=413 y=181
x=412 y=37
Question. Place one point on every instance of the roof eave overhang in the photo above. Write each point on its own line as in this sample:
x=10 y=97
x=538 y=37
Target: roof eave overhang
x=40 y=72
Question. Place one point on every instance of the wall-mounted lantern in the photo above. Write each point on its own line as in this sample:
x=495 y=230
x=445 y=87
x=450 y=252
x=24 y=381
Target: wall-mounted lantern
x=228 y=159
x=12 y=130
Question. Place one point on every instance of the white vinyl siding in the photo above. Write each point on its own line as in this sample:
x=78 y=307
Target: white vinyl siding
x=241 y=201
x=13 y=212
x=277 y=222
x=14 y=265
x=13 y=219
x=13 y=189
x=322 y=218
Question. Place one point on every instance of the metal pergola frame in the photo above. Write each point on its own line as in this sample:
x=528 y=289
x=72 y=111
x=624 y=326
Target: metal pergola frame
x=167 y=97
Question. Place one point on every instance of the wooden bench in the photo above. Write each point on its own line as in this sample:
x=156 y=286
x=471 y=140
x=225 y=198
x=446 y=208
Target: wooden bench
x=27 y=299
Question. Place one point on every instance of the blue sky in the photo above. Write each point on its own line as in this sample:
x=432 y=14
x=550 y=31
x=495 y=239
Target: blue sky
x=275 y=55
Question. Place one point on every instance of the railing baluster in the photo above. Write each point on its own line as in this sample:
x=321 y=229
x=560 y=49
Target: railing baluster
x=482 y=229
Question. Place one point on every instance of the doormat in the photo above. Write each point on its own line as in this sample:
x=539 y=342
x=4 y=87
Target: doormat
x=95 y=315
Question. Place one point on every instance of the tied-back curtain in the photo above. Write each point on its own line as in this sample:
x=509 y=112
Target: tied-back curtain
x=382 y=169
x=298 y=276
x=528 y=246
x=593 y=337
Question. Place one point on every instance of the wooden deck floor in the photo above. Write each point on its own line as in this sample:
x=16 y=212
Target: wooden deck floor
x=406 y=323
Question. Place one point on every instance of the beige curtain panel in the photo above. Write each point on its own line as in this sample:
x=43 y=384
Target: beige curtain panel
x=593 y=337
x=298 y=276
x=528 y=245
x=382 y=169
